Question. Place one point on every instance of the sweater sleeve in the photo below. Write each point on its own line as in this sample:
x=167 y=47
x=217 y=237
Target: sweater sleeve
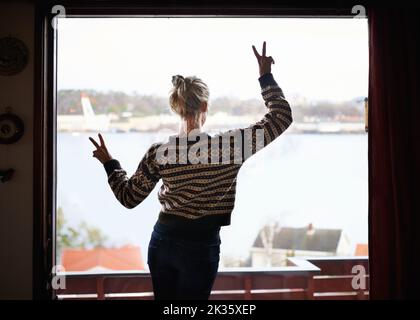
x=130 y=192
x=275 y=121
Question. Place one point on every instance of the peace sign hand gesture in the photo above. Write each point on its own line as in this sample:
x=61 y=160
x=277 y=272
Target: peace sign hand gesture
x=263 y=61
x=101 y=153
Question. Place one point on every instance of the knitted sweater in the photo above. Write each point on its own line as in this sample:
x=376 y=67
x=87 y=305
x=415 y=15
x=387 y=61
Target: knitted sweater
x=199 y=171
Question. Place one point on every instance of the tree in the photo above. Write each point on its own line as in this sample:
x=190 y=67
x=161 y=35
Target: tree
x=83 y=236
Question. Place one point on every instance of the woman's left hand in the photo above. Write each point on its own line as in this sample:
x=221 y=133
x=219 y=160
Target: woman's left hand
x=101 y=153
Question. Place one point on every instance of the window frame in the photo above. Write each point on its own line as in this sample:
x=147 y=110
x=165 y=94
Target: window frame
x=45 y=106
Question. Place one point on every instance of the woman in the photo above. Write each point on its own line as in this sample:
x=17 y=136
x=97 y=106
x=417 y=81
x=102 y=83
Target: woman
x=199 y=183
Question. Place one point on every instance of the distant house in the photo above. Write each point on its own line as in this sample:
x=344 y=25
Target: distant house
x=274 y=244
x=87 y=121
x=102 y=259
x=361 y=249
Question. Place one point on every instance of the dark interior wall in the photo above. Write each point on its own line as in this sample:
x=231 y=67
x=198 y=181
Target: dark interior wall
x=16 y=196
x=16 y=207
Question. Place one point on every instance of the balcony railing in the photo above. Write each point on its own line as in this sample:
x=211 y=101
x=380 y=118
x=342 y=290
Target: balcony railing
x=309 y=278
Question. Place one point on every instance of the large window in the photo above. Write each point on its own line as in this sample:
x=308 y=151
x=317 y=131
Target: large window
x=305 y=194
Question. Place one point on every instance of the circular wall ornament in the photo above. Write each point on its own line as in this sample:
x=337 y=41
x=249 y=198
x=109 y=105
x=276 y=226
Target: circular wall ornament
x=14 y=56
x=11 y=127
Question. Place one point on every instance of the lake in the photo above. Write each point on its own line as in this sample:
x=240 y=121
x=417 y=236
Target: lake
x=296 y=180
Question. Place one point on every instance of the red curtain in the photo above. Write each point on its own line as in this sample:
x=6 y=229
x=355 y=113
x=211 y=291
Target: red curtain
x=394 y=153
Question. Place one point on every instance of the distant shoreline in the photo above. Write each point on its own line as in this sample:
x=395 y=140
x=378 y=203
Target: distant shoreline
x=297 y=128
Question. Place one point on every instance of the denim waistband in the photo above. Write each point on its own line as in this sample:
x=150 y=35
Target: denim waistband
x=188 y=234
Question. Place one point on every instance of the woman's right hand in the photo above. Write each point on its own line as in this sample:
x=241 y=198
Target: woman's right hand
x=263 y=61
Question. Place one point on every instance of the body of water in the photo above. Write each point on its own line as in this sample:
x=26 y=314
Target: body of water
x=296 y=180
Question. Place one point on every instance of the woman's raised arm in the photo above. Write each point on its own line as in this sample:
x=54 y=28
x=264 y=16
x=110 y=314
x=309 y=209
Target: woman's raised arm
x=277 y=119
x=130 y=192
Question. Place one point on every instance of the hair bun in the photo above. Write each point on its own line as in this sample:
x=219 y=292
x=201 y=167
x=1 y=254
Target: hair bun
x=177 y=80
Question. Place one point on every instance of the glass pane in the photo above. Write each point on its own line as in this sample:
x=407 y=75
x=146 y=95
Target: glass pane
x=304 y=194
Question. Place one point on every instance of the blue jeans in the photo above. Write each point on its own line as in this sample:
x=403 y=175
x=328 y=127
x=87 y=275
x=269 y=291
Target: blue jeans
x=183 y=268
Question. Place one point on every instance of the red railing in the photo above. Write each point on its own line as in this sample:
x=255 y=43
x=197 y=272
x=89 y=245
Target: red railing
x=309 y=278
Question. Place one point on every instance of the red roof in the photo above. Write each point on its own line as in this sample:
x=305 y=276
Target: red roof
x=361 y=249
x=123 y=258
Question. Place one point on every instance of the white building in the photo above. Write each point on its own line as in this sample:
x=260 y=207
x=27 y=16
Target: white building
x=88 y=121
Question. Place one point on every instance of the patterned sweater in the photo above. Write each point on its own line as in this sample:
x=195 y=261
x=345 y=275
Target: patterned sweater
x=200 y=194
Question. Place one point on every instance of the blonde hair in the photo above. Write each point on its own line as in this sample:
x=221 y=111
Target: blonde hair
x=187 y=94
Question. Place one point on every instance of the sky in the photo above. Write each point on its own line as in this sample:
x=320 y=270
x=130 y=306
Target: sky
x=319 y=59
